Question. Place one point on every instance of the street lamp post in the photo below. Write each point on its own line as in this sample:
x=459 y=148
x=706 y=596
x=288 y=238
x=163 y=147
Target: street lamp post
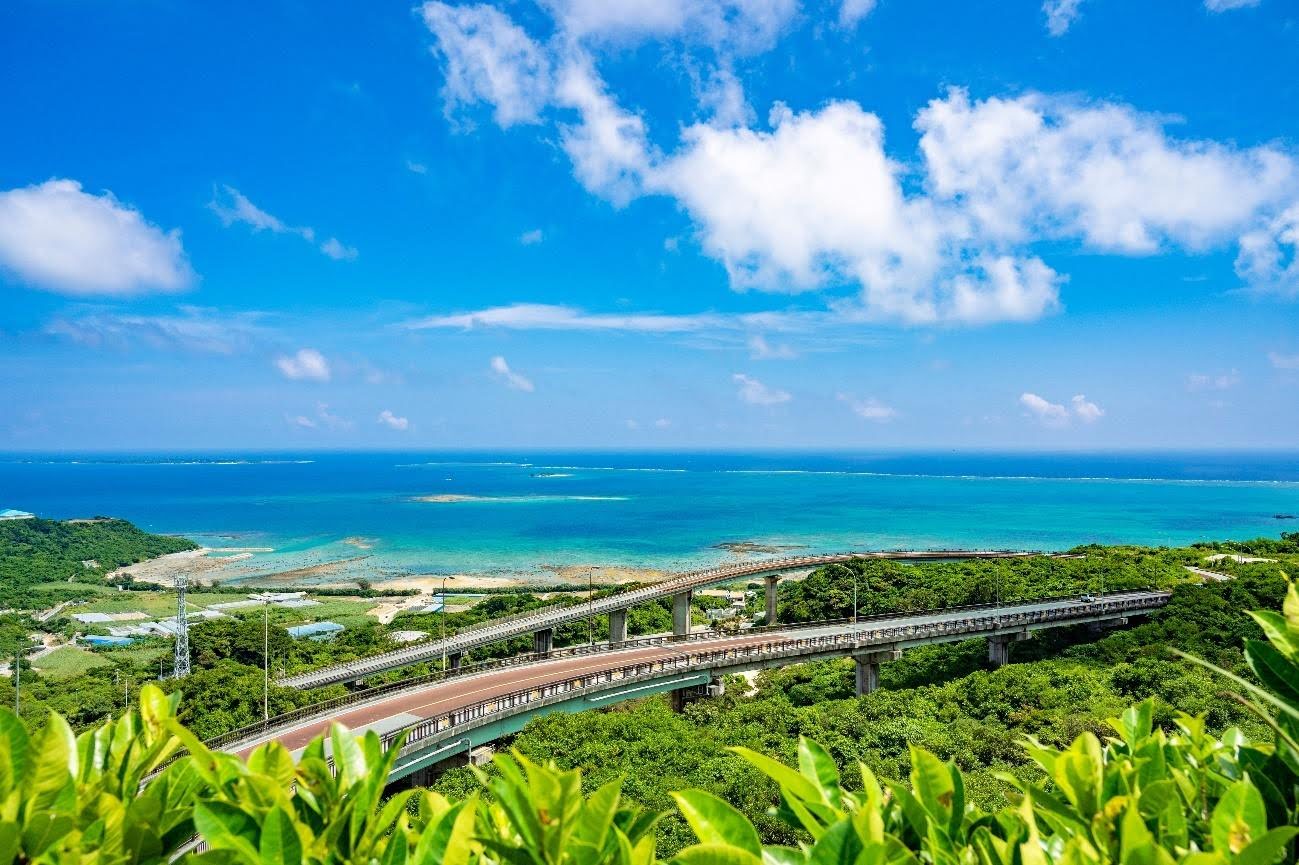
x=442 y=622
x=590 y=607
x=854 y=597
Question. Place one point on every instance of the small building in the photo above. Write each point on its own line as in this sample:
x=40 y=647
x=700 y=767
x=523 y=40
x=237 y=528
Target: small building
x=315 y=631
x=98 y=642
x=11 y=514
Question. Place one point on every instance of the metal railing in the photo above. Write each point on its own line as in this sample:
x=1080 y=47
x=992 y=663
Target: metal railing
x=260 y=729
x=465 y=718
x=517 y=624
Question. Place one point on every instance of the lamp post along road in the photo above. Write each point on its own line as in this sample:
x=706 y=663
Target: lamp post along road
x=266 y=660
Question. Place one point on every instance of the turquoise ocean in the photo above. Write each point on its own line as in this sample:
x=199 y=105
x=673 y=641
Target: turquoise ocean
x=383 y=515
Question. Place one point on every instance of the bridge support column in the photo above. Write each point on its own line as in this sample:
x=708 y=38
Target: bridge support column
x=617 y=627
x=1106 y=625
x=868 y=669
x=454 y=660
x=681 y=614
x=681 y=697
x=770 y=582
x=999 y=647
x=543 y=641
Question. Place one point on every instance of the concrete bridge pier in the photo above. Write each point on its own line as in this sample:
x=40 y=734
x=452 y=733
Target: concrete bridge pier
x=999 y=647
x=543 y=641
x=617 y=627
x=771 y=581
x=868 y=669
x=1107 y=625
x=454 y=660
x=681 y=614
x=682 y=697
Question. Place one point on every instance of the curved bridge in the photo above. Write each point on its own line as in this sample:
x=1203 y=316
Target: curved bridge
x=541 y=622
x=448 y=715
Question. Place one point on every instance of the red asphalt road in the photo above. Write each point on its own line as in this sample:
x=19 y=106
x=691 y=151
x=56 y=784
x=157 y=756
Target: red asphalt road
x=441 y=698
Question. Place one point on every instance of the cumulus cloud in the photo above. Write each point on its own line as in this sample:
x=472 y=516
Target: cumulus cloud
x=532 y=237
x=233 y=207
x=191 y=328
x=851 y=12
x=1060 y=14
x=813 y=201
x=1227 y=5
x=491 y=59
x=755 y=392
x=1269 y=255
x=870 y=409
x=1086 y=411
x=1053 y=414
x=512 y=379
x=1038 y=166
x=392 y=421
x=1215 y=381
x=1048 y=413
x=306 y=364
x=57 y=237
x=663 y=423
x=322 y=419
x=1283 y=361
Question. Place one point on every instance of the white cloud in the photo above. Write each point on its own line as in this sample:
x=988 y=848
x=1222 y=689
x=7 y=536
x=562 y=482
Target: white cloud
x=1217 y=381
x=1060 y=14
x=1055 y=415
x=489 y=59
x=392 y=421
x=531 y=238
x=231 y=206
x=542 y=316
x=416 y=167
x=870 y=409
x=760 y=349
x=631 y=424
x=1038 y=167
x=730 y=25
x=338 y=251
x=307 y=364
x=510 y=377
x=851 y=12
x=1283 y=361
x=59 y=238
x=1009 y=289
x=301 y=420
x=663 y=423
x=1087 y=412
x=1226 y=5
x=322 y=418
x=1269 y=255
x=192 y=329
x=1050 y=414
x=608 y=145
x=755 y=392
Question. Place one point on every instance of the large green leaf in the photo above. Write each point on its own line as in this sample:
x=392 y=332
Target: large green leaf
x=53 y=766
x=13 y=752
x=1274 y=669
x=279 y=843
x=716 y=854
x=716 y=822
x=777 y=771
x=816 y=763
x=1269 y=848
x=226 y=827
x=1239 y=818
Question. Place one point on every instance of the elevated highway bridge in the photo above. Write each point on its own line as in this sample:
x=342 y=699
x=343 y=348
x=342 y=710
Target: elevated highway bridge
x=439 y=716
x=542 y=622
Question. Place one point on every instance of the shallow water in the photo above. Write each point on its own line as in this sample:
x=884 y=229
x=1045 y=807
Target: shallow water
x=513 y=514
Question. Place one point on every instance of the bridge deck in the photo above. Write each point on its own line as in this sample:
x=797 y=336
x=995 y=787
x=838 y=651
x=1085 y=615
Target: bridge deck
x=437 y=711
x=548 y=617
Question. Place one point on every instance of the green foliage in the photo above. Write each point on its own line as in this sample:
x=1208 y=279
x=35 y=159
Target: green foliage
x=39 y=551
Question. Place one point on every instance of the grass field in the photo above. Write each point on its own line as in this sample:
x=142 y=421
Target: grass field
x=68 y=661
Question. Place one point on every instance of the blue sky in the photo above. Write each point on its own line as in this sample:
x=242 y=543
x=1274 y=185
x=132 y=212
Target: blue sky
x=649 y=224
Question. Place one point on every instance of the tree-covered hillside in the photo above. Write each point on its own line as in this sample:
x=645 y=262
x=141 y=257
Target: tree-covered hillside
x=36 y=552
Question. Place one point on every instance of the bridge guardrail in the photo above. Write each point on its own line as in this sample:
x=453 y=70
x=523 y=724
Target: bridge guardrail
x=465 y=719
x=258 y=730
x=486 y=631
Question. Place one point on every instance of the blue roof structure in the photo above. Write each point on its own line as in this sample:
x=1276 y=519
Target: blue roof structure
x=315 y=630
x=100 y=642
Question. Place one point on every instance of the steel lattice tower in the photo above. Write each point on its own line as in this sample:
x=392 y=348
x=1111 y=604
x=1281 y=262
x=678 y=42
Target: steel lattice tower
x=180 y=667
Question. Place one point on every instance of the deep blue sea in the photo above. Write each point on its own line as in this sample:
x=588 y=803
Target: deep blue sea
x=509 y=514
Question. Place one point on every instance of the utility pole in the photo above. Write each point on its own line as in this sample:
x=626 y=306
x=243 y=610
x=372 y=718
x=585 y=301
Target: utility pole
x=590 y=607
x=854 y=597
x=180 y=668
x=266 y=660
x=18 y=682
x=442 y=622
